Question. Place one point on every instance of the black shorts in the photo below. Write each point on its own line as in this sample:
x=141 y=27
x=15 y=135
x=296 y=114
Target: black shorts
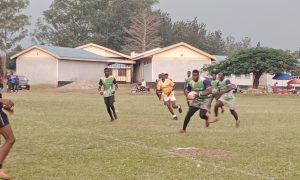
x=3 y=119
x=109 y=100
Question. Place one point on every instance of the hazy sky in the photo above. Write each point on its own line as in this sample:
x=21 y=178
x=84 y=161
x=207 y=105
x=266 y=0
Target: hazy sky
x=275 y=23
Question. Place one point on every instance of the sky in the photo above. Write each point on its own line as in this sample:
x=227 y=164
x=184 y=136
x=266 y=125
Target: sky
x=274 y=23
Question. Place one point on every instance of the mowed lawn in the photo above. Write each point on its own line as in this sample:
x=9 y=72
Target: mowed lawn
x=66 y=135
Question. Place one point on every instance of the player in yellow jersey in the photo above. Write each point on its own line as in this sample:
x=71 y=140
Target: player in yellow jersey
x=166 y=88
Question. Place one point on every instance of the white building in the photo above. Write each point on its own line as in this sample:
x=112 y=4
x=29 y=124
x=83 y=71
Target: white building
x=175 y=60
x=60 y=65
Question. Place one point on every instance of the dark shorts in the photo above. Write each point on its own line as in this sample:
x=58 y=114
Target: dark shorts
x=3 y=119
x=109 y=100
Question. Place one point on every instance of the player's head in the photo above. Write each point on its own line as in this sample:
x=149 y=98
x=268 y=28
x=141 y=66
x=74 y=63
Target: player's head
x=196 y=75
x=214 y=76
x=166 y=75
x=221 y=76
x=189 y=73
x=163 y=76
x=106 y=72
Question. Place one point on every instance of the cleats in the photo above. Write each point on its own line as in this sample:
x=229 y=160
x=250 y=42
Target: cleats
x=179 y=108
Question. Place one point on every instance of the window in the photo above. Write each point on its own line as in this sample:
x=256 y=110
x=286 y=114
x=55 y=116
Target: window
x=122 y=72
x=238 y=76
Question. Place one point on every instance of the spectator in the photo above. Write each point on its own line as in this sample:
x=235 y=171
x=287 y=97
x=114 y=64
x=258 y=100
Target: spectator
x=13 y=81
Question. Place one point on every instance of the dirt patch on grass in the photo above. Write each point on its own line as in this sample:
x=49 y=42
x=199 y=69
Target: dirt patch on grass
x=194 y=152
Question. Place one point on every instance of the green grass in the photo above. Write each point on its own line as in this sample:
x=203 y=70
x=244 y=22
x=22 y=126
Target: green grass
x=64 y=135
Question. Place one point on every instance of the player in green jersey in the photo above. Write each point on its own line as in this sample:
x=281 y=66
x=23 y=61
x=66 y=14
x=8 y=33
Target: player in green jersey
x=110 y=86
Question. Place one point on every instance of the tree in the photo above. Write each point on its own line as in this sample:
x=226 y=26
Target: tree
x=257 y=61
x=12 y=25
x=75 y=22
x=231 y=46
x=143 y=33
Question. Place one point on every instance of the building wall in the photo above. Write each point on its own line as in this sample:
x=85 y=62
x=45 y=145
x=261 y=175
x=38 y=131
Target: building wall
x=126 y=79
x=38 y=67
x=176 y=62
x=80 y=70
x=143 y=70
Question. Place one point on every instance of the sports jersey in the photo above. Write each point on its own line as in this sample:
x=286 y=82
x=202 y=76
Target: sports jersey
x=223 y=85
x=166 y=87
x=187 y=81
x=199 y=86
x=108 y=85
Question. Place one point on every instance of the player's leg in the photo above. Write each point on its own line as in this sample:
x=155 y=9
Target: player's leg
x=169 y=105
x=173 y=103
x=218 y=105
x=112 y=101
x=187 y=118
x=108 y=108
x=231 y=105
x=209 y=104
x=9 y=137
x=203 y=115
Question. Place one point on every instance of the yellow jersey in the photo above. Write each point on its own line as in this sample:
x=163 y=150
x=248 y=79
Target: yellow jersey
x=166 y=87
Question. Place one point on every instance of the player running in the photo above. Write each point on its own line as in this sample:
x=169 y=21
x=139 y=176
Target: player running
x=214 y=87
x=226 y=98
x=166 y=88
x=200 y=100
x=7 y=133
x=187 y=80
x=110 y=86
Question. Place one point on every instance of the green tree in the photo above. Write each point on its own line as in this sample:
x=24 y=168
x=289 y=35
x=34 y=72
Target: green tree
x=75 y=22
x=257 y=61
x=12 y=25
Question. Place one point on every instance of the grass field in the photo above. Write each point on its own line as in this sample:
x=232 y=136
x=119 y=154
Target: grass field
x=66 y=135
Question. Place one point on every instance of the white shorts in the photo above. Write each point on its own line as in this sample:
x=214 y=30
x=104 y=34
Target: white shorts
x=169 y=98
x=228 y=102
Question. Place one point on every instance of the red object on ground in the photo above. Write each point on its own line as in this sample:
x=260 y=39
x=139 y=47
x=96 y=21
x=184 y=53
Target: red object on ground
x=294 y=81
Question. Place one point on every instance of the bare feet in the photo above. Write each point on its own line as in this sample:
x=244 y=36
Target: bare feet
x=237 y=123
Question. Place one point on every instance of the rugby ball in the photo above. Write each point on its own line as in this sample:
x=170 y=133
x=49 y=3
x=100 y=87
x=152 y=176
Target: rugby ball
x=192 y=95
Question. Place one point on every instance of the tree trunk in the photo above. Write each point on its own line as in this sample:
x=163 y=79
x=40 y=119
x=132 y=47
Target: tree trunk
x=256 y=78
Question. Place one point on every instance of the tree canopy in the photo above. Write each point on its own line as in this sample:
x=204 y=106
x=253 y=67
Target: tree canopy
x=75 y=22
x=257 y=60
x=12 y=25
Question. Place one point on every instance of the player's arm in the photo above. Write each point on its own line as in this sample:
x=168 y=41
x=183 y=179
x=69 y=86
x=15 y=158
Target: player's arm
x=116 y=84
x=158 y=90
x=7 y=103
x=100 y=86
x=187 y=89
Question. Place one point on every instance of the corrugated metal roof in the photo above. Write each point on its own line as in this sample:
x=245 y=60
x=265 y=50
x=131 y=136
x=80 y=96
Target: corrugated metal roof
x=119 y=66
x=72 y=52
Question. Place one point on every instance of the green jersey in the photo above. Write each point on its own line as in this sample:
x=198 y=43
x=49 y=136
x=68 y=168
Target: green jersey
x=109 y=85
x=187 y=81
x=223 y=85
x=214 y=84
x=199 y=86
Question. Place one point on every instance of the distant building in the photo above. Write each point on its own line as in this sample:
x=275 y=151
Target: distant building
x=121 y=71
x=175 y=60
x=60 y=65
